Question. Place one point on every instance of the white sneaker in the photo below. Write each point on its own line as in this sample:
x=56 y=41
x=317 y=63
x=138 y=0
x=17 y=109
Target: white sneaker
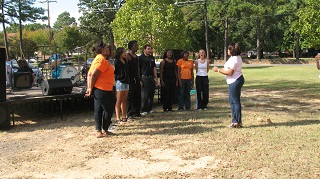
x=111 y=128
x=143 y=113
x=150 y=112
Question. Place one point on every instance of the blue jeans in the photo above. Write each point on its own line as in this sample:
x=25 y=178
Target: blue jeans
x=184 y=94
x=104 y=102
x=234 y=99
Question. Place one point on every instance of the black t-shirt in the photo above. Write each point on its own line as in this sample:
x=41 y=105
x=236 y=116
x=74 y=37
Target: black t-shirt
x=133 y=67
x=147 y=64
x=121 y=71
x=169 y=70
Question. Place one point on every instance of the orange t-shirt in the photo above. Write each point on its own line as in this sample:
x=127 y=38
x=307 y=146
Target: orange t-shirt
x=185 y=69
x=105 y=80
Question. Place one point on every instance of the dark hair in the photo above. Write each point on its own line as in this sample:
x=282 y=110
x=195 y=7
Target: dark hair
x=97 y=48
x=234 y=49
x=145 y=46
x=119 y=51
x=183 y=52
x=165 y=54
x=131 y=43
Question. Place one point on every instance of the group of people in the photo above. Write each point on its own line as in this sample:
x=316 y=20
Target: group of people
x=128 y=86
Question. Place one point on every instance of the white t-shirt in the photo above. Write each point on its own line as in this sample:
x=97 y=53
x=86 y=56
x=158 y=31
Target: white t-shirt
x=202 y=68
x=234 y=63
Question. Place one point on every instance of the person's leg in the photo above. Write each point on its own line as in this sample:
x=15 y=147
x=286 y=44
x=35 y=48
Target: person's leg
x=171 y=94
x=234 y=99
x=151 y=94
x=124 y=104
x=164 y=97
x=97 y=110
x=187 y=94
x=199 y=91
x=205 y=91
x=118 y=105
x=145 y=92
x=137 y=99
x=131 y=100
x=181 y=95
x=108 y=105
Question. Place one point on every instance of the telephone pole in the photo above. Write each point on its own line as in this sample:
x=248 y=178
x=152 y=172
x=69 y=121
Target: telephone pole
x=48 y=9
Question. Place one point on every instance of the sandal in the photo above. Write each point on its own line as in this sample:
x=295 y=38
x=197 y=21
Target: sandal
x=100 y=135
x=234 y=125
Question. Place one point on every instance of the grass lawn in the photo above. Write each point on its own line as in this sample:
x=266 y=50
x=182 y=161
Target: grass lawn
x=280 y=137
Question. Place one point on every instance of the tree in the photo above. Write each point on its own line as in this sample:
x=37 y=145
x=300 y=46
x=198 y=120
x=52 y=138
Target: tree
x=307 y=23
x=159 y=23
x=96 y=19
x=68 y=39
x=30 y=48
x=64 y=20
x=23 y=12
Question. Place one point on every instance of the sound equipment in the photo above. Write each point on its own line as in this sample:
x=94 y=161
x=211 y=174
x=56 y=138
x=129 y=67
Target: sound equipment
x=4 y=115
x=22 y=80
x=2 y=74
x=56 y=86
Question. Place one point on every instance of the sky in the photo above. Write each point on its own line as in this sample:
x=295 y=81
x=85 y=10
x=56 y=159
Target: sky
x=57 y=7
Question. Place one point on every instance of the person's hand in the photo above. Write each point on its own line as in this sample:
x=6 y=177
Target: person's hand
x=215 y=69
x=162 y=83
x=88 y=92
x=180 y=83
x=141 y=83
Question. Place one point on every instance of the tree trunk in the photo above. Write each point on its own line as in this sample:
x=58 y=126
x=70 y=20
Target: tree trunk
x=6 y=45
x=226 y=40
x=297 y=45
x=20 y=29
x=258 y=39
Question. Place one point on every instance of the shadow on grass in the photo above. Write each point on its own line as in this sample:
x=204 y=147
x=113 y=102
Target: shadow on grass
x=288 y=124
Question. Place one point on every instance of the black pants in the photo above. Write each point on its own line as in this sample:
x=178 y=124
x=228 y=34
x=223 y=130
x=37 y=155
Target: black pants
x=104 y=102
x=147 y=94
x=134 y=98
x=202 y=87
x=168 y=94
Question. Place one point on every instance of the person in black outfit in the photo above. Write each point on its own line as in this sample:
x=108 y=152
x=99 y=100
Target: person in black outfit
x=148 y=79
x=134 y=97
x=168 y=79
x=121 y=75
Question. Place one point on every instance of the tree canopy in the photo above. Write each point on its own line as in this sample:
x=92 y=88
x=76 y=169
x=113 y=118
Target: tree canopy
x=159 y=23
x=64 y=20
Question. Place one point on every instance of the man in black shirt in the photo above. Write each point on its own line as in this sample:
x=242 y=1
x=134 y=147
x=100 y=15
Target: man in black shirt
x=134 y=96
x=148 y=79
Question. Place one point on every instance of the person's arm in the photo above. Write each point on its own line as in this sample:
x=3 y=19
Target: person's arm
x=196 y=66
x=317 y=62
x=192 y=76
x=161 y=72
x=179 y=76
x=228 y=72
x=91 y=80
x=155 y=76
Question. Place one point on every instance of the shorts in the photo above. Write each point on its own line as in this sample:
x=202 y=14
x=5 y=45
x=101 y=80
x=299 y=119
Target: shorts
x=121 y=86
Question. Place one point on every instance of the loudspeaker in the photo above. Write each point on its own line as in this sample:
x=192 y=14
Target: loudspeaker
x=56 y=86
x=3 y=74
x=22 y=80
x=4 y=116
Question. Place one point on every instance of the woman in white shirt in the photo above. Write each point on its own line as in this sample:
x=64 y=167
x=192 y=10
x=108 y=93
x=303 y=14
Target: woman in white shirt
x=233 y=72
x=202 y=81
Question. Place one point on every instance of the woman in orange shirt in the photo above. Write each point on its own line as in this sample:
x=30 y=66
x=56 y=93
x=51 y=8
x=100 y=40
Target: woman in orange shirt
x=185 y=78
x=100 y=83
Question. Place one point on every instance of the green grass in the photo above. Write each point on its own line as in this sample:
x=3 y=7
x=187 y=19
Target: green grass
x=289 y=147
